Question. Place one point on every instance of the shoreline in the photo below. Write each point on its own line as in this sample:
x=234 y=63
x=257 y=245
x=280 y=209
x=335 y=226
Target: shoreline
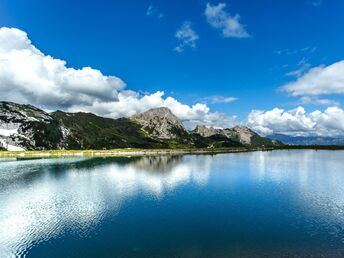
x=119 y=152
x=147 y=152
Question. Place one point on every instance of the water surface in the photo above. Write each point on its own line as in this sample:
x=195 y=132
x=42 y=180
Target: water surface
x=259 y=204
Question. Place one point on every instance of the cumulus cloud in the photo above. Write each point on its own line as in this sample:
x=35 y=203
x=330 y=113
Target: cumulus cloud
x=26 y=74
x=131 y=103
x=186 y=36
x=230 y=25
x=298 y=122
x=29 y=76
x=321 y=80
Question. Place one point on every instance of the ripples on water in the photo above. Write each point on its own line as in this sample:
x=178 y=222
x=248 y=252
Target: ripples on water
x=251 y=204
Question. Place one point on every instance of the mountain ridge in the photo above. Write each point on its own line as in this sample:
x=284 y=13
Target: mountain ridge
x=308 y=140
x=25 y=127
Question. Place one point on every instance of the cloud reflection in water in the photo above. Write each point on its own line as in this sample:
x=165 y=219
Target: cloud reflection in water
x=43 y=198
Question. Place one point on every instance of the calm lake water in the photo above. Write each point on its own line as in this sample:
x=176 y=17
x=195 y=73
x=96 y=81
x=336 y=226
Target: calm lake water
x=259 y=204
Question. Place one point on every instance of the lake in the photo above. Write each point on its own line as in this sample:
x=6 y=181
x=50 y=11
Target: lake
x=258 y=204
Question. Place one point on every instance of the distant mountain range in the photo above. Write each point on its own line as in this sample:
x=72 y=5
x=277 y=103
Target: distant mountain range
x=25 y=127
x=307 y=140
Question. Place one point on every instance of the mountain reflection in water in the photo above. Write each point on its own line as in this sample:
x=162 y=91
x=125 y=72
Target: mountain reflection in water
x=41 y=198
x=260 y=204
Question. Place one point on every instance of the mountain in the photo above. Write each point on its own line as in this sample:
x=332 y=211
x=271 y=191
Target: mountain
x=308 y=140
x=24 y=127
x=206 y=131
x=239 y=133
x=88 y=131
x=161 y=123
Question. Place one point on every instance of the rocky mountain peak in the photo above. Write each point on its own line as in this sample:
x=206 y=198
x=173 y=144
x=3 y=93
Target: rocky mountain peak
x=16 y=113
x=156 y=112
x=20 y=126
x=245 y=134
x=206 y=131
x=160 y=123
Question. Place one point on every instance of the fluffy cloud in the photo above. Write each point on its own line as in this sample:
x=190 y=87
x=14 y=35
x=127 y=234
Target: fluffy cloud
x=29 y=76
x=230 y=25
x=321 y=80
x=186 y=36
x=131 y=103
x=298 y=122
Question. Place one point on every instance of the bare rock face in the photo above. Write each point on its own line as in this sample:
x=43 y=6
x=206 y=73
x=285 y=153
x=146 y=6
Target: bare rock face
x=239 y=133
x=21 y=127
x=12 y=119
x=245 y=134
x=206 y=131
x=160 y=123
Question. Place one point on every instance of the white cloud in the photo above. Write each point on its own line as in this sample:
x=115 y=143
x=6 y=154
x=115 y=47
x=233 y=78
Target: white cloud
x=186 y=36
x=303 y=66
x=131 y=103
x=29 y=76
x=26 y=74
x=154 y=11
x=230 y=25
x=317 y=101
x=219 y=99
x=321 y=80
x=329 y=122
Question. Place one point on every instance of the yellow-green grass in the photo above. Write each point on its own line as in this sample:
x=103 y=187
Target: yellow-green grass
x=142 y=152
x=121 y=152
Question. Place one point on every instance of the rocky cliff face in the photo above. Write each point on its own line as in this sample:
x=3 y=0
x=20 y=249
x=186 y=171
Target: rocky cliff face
x=160 y=123
x=244 y=134
x=239 y=133
x=21 y=127
x=206 y=131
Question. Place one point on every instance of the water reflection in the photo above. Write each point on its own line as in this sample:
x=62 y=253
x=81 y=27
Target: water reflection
x=40 y=199
x=233 y=201
x=316 y=178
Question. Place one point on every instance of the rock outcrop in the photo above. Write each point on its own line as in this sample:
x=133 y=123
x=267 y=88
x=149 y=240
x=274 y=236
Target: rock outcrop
x=206 y=131
x=244 y=134
x=239 y=133
x=22 y=127
x=160 y=123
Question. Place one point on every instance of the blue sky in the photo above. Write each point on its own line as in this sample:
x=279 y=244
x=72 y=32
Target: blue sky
x=136 y=41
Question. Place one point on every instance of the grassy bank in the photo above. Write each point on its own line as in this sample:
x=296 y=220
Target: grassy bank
x=142 y=152
x=123 y=152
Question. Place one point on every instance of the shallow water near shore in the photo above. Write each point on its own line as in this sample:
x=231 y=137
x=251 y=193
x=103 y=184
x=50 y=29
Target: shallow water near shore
x=258 y=204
